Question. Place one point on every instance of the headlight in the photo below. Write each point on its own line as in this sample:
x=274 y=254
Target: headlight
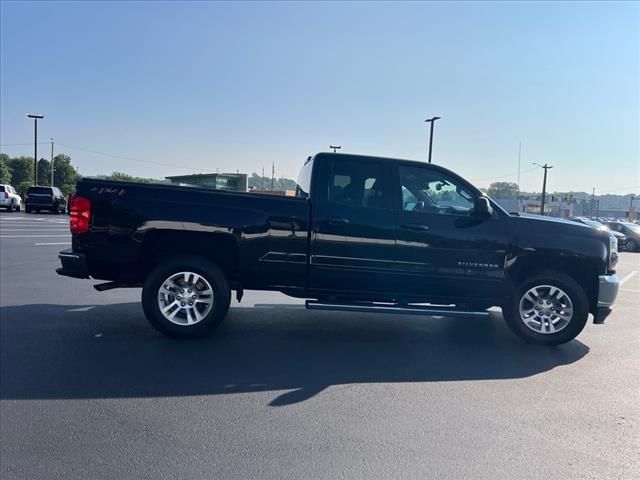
x=613 y=253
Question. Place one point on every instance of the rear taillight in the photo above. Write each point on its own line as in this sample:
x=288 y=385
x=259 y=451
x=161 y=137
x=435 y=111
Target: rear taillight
x=80 y=214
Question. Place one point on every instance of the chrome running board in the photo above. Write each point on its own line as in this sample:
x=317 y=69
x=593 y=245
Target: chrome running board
x=393 y=308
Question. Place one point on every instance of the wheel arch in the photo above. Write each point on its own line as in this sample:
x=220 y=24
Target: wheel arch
x=584 y=272
x=163 y=245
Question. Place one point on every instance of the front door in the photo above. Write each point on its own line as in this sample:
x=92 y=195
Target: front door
x=353 y=244
x=443 y=249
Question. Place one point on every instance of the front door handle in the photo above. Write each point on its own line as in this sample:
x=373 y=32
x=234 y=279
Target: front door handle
x=415 y=226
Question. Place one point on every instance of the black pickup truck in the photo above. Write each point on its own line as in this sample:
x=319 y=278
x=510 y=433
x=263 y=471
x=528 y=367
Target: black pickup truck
x=362 y=234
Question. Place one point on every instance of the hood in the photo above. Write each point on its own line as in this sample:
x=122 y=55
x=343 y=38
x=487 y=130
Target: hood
x=542 y=218
x=544 y=224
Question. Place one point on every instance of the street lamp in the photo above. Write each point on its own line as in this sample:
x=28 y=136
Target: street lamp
x=431 y=120
x=335 y=147
x=35 y=145
x=544 y=184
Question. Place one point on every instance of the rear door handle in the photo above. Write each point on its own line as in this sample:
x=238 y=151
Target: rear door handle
x=339 y=220
x=415 y=226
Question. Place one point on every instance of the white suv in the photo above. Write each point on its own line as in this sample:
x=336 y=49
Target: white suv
x=9 y=198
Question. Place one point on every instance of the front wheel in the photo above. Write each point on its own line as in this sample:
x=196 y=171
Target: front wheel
x=550 y=309
x=186 y=297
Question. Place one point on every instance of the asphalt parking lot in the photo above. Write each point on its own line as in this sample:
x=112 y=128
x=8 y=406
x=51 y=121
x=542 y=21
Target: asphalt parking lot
x=89 y=390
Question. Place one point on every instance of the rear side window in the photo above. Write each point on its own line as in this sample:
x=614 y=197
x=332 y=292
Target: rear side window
x=358 y=184
x=2 y=188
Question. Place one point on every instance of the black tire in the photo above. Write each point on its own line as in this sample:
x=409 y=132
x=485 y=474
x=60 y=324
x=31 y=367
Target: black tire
x=211 y=272
x=511 y=310
x=27 y=210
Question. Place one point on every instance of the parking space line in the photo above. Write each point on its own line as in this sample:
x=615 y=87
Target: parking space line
x=33 y=236
x=628 y=277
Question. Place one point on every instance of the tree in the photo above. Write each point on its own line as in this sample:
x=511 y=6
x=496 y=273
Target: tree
x=5 y=171
x=44 y=172
x=279 y=184
x=125 y=177
x=503 y=190
x=64 y=174
x=21 y=170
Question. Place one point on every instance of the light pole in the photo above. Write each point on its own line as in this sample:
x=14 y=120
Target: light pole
x=52 y=162
x=335 y=147
x=431 y=120
x=544 y=185
x=35 y=145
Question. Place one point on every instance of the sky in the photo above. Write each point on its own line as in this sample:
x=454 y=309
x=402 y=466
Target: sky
x=174 y=88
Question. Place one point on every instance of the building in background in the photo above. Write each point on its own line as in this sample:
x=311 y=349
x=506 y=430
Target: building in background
x=236 y=182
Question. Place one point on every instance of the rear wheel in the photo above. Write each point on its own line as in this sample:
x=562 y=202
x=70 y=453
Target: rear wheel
x=549 y=308
x=186 y=297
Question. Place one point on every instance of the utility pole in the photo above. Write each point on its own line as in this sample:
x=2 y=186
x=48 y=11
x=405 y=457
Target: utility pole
x=262 y=180
x=273 y=171
x=52 y=168
x=431 y=120
x=544 y=185
x=630 y=207
x=35 y=145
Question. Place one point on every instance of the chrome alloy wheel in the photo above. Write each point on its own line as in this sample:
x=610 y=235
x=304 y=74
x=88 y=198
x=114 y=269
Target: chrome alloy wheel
x=185 y=298
x=546 y=309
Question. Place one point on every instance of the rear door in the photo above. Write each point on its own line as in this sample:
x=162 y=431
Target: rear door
x=353 y=242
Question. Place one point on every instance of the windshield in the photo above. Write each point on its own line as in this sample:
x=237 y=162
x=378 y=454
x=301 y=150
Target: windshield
x=594 y=224
x=634 y=228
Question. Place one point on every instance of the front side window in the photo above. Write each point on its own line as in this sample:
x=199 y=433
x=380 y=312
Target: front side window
x=429 y=190
x=358 y=184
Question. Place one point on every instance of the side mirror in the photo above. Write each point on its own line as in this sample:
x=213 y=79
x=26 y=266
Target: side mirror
x=482 y=208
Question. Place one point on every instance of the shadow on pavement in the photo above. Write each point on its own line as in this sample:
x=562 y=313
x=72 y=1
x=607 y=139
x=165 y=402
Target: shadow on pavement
x=109 y=351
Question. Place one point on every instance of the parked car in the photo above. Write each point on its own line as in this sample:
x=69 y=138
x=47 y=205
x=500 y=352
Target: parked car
x=631 y=231
x=9 y=198
x=45 y=198
x=621 y=237
x=363 y=234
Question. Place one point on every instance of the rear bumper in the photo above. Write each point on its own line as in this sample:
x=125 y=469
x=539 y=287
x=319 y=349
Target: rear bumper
x=73 y=264
x=608 y=286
